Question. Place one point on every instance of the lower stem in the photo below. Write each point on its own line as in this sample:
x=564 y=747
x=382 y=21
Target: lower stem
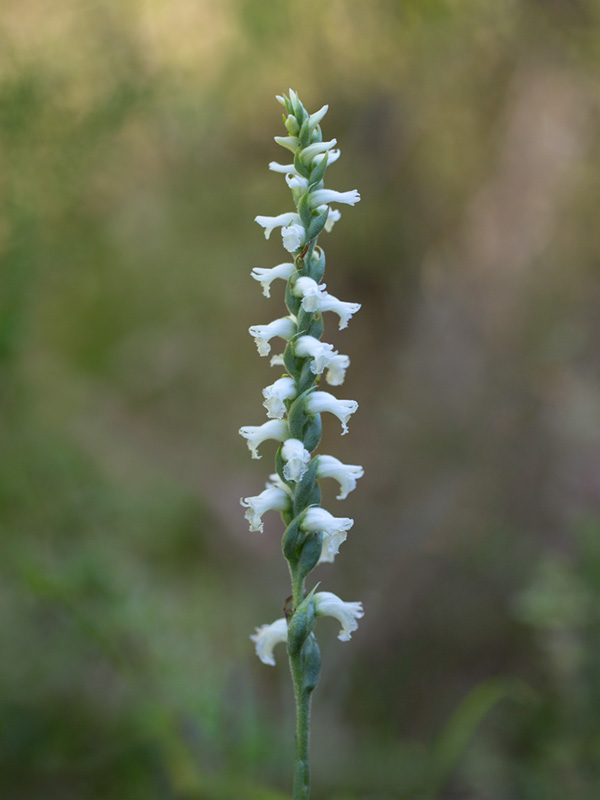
x=301 y=756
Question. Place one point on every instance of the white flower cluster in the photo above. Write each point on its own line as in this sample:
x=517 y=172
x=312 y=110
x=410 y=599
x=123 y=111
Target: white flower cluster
x=297 y=394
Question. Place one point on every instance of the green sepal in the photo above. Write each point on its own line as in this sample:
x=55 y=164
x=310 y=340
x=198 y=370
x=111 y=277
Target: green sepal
x=311 y=664
x=292 y=540
x=291 y=301
x=291 y=362
x=315 y=327
x=279 y=465
x=312 y=433
x=305 y=489
x=307 y=377
x=287 y=517
x=310 y=321
x=304 y=210
x=310 y=553
x=301 y=625
x=317 y=224
x=304 y=134
x=298 y=419
x=300 y=166
x=317 y=173
x=316 y=265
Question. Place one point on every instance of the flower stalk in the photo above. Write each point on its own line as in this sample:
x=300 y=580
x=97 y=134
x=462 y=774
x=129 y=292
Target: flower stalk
x=294 y=405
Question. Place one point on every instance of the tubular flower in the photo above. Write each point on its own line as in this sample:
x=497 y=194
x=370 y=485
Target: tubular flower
x=266 y=275
x=296 y=458
x=315 y=149
x=318 y=402
x=336 y=370
x=332 y=217
x=327 y=196
x=328 y=604
x=266 y=637
x=276 y=394
x=315 y=298
x=270 y=223
x=334 y=530
x=255 y=435
x=322 y=354
x=293 y=237
x=345 y=474
x=273 y=498
x=284 y=327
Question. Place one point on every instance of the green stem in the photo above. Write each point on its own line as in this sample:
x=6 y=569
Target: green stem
x=301 y=757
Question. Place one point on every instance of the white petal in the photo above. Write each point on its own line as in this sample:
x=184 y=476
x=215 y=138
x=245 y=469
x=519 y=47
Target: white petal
x=270 y=223
x=336 y=370
x=276 y=394
x=270 y=499
x=266 y=637
x=345 y=474
x=255 y=435
x=266 y=275
x=330 y=605
x=293 y=237
x=297 y=459
x=319 y=402
x=350 y=198
x=285 y=327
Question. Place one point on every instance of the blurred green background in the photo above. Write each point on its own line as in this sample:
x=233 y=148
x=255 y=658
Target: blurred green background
x=134 y=142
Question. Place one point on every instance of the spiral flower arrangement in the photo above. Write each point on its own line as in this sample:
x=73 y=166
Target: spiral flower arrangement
x=294 y=404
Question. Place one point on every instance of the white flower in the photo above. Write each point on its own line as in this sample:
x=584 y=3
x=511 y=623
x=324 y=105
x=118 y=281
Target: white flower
x=257 y=434
x=275 y=394
x=277 y=360
x=285 y=327
x=311 y=293
x=315 y=298
x=334 y=530
x=297 y=459
x=291 y=142
x=327 y=196
x=333 y=217
x=286 y=169
x=344 y=310
x=273 y=498
x=314 y=149
x=321 y=353
x=329 y=605
x=318 y=402
x=332 y=157
x=336 y=370
x=270 y=223
x=345 y=474
x=296 y=182
x=293 y=236
x=266 y=275
x=266 y=637
x=315 y=118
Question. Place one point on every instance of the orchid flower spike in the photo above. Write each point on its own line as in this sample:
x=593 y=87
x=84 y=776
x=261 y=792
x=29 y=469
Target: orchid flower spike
x=294 y=404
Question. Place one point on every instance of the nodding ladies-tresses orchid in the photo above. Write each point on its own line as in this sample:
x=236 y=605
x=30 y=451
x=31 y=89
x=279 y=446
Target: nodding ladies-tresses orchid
x=294 y=405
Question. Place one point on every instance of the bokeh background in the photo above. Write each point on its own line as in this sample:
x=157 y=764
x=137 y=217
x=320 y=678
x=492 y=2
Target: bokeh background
x=134 y=142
